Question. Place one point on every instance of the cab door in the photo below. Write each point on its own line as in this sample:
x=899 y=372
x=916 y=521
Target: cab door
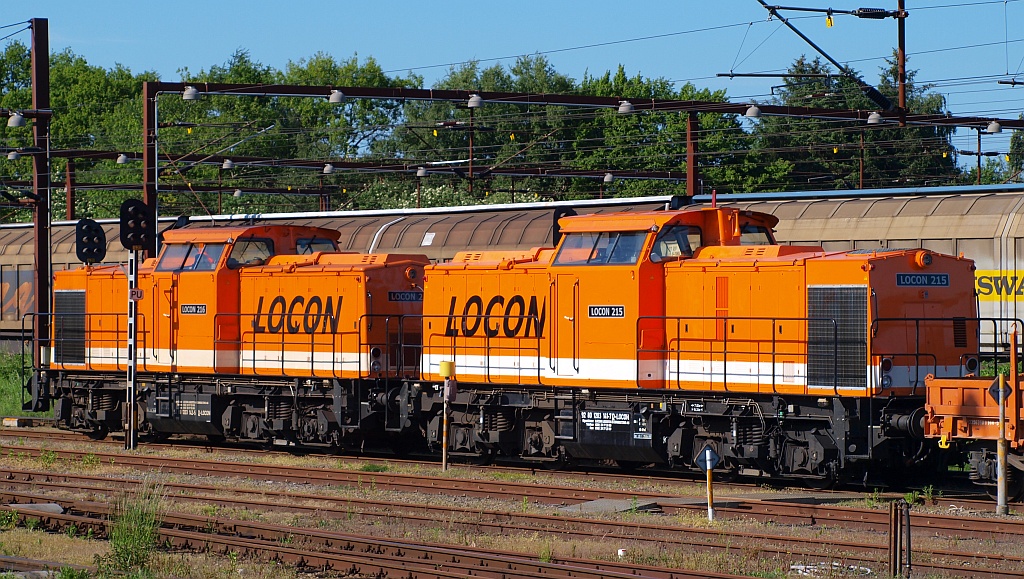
x=186 y=285
x=566 y=317
x=597 y=299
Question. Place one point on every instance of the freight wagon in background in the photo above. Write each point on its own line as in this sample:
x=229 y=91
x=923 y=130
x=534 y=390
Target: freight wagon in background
x=985 y=223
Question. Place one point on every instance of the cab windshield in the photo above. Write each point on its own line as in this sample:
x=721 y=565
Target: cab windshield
x=315 y=244
x=755 y=235
x=190 y=257
x=601 y=248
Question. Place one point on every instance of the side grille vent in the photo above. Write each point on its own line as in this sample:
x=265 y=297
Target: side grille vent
x=69 y=327
x=837 y=336
x=959 y=333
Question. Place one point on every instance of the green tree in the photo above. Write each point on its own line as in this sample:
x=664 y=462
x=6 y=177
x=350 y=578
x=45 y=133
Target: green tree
x=437 y=134
x=280 y=127
x=1016 y=160
x=93 y=109
x=822 y=153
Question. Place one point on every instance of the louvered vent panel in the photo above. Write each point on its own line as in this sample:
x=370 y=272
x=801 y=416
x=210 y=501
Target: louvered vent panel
x=959 y=333
x=69 y=327
x=837 y=353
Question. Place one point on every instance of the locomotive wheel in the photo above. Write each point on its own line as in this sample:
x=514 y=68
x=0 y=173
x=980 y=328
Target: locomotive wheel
x=485 y=457
x=99 y=433
x=1014 y=486
x=561 y=462
x=629 y=465
x=822 y=483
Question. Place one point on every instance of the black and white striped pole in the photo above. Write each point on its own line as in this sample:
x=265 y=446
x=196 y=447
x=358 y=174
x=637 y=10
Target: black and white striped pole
x=131 y=440
x=138 y=232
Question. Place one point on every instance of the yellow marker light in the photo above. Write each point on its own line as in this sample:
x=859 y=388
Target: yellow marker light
x=435 y=132
x=835 y=149
x=828 y=21
x=512 y=137
x=190 y=130
x=944 y=441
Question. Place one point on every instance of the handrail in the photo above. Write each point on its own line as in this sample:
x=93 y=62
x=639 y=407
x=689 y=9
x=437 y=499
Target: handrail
x=673 y=350
x=481 y=342
x=1016 y=325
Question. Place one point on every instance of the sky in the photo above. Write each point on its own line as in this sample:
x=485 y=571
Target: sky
x=963 y=47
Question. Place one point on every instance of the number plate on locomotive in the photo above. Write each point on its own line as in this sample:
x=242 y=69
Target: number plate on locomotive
x=607 y=311
x=923 y=279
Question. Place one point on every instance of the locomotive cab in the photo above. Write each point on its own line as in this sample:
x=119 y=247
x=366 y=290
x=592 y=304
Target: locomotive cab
x=195 y=289
x=609 y=283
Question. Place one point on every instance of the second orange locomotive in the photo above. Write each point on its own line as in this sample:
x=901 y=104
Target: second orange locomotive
x=639 y=338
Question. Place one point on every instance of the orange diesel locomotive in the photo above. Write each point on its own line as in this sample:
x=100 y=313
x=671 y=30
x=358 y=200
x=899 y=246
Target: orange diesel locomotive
x=258 y=332
x=640 y=338
x=646 y=337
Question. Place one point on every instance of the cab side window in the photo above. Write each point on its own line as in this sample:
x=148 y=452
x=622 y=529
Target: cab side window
x=676 y=241
x=250 y=252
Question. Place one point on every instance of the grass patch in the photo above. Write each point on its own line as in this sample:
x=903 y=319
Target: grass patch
x=14 y=371
x=69 y=573
x=374 y=467
x=134 y=530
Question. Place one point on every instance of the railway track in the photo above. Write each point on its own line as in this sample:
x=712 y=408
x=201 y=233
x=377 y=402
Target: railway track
x=869 y=553
x=341 y=552
x=776 y=510
x=962 y=497
x=793 y=550
x=765 y=507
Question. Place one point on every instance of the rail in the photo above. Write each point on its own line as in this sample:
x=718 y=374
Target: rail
x=99 y=341
x=781 y=352
x=90 y=339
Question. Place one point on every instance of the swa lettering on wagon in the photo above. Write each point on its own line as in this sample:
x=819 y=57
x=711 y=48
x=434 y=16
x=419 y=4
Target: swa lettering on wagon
x=301 y=314
x=995 y=286
x=511 y=317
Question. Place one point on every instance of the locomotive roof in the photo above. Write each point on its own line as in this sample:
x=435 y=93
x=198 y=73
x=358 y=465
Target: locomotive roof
x=649 y=220
x=231 y=233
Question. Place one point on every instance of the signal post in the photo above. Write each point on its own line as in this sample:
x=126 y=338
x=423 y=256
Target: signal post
x=138 y=233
